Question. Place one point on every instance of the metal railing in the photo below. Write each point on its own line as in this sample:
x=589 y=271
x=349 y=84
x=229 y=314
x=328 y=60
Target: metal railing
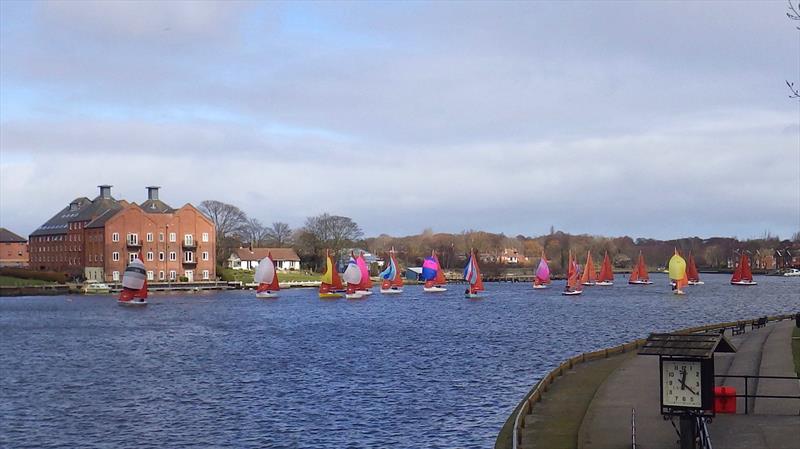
x=746 y=394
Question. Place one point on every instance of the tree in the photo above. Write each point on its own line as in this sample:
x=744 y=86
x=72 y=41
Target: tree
x=229 y=222
x=327 y=231
x=254 y=232
x=278 y=235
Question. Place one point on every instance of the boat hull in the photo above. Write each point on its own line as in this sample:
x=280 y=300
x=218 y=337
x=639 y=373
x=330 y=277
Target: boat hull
x=575 y=293
x=392 y=291
x=794 y=273
x=132 y=303
x=640 y=282
x=330 y=295
x=678 y=292
x=604 y=283
x=471 y=295
x=744 y=283
x=540 y=287
x=262 y=295
x=696 y=283
x=364 y=292
x=588 y=283
x=433 y=289
x=355 y=295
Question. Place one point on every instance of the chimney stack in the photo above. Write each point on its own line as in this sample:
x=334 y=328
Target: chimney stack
x=152 y=192
x=105 y=191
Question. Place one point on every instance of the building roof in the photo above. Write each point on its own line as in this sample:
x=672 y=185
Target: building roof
x=156 y=207
x=686 y=345
x=79 y=209
x=7 y=236
x=101 y=219
x=260 y=253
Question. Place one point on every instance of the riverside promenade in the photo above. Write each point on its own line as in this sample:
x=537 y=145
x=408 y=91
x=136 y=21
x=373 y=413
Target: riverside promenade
x=590 y=405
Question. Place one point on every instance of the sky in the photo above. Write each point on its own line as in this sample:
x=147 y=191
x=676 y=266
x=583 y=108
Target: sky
x=648 y=119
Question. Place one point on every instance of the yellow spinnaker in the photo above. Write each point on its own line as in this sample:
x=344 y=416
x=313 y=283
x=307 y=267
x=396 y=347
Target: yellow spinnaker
x=677 y=267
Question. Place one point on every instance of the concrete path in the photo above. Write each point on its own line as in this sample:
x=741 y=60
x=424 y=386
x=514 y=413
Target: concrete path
x=634 y=385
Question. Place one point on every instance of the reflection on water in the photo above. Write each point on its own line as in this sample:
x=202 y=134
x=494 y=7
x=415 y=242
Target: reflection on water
x=227 y=370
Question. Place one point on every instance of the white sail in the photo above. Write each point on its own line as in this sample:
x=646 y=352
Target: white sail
x=134 y=276
x=265 y=271
x=352 y=275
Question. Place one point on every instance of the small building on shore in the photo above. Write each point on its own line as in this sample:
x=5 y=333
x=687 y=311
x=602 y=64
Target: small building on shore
x=248 y=258
x=13 y=250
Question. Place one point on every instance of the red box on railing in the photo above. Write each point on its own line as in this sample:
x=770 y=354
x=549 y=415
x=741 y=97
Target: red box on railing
x=724 y=399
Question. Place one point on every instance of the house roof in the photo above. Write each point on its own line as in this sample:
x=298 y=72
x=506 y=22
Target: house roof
x=260 y=253
x=156 y=207
x=7 y=236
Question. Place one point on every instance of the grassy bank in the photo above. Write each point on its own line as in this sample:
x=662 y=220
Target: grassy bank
x=246 y=276
x=796 y=349
x=19 y=282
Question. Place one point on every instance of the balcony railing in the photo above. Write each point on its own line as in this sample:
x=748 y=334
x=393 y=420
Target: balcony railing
x=133 y=243
x=190 y=262
x=189 y=244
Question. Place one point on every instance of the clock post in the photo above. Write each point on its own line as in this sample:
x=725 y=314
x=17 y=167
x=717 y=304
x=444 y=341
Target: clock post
x=686 y=377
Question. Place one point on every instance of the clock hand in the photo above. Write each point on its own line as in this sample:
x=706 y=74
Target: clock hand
x=682 y=380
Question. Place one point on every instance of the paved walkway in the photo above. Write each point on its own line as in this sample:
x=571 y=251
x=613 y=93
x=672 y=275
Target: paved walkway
x=772 y=424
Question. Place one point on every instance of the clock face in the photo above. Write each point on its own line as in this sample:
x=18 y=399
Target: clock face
x=681 y=383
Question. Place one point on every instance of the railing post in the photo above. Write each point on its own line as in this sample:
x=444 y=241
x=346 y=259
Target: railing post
x=746 y=395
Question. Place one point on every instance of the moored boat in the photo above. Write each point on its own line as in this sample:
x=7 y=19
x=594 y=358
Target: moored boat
x=331 y=285
x=793 y=272
x=392 y=283
x=267 y=278
x=472 y=274
x=677 y=273
x=541 y=278
x=742 y=275
x=691 y=272
x=134 y=285
x=606 y=276
x=93 y=287
x=588 y=277
x=639 y=274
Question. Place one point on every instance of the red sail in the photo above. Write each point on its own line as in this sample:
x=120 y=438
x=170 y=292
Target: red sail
x=737 y=273
x=691 y=271
x=606 y=271
x=588 y=270
x=398 y=279
x=440 y=280
x=643 y=274
x=747 y=275
x=635 y=272
x=478 y=286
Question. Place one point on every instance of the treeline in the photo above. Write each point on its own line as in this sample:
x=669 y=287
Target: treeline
x=337 y=233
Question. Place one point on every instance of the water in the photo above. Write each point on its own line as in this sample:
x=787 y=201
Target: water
x=227 y=370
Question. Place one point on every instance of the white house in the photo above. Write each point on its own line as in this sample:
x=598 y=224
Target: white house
x=247 y=258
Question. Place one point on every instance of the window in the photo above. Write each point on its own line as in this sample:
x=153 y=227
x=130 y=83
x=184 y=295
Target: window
x=172 y=237
x=115 y=275
x=205 y=275
x=204 y=256
x=161 y=276
x=115 y=256
x=188 y=239
x=132 y=257
x=133 y=239
x=205 y=236
x=149 y=236
x=173 y=256
x=115 y=237
x=172 y=275
x=188 y=256
x=149 y=256
x=149 y=275
x=161 y=256
x=160 y=236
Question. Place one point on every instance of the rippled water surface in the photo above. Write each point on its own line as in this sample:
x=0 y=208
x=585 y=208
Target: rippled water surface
x=227 y=370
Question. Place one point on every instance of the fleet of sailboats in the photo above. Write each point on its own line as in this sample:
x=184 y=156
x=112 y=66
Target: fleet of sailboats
x=742 y=275
x=134 y=285
x=541 y=278
x=639 y=274
x=266 y=278
x=392 y=283
x=472 y=274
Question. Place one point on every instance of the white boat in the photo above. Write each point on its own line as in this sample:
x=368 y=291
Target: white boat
x=792 y=273
x=572 y=293
x=604 y=283
x=696 y=283
x=354 y=295
x=134 y=285
x=267 y=279
x=391 y=291
x=539 y=286
x=640 y=282
x=433 y=289
x=92 y=287
x=744 y=283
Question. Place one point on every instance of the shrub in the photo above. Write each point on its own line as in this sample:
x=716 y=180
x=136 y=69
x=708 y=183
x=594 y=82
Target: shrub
x=24 y=273
x=183 y=279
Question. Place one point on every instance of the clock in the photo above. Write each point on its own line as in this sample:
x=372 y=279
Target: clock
x=682 y=383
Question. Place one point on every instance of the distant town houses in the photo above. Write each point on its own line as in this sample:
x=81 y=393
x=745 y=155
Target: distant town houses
x=507 y=256
x=13 y=249
x=96 y=239
x=248 y=258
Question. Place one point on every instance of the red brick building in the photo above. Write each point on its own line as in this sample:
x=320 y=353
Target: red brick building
x=96 y=239
x=13 y=249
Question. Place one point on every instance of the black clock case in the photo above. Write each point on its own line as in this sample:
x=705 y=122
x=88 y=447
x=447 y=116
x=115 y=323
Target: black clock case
x=706 y=392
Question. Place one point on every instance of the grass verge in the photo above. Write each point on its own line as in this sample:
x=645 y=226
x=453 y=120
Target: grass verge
x=19 y=282
x=796 y=349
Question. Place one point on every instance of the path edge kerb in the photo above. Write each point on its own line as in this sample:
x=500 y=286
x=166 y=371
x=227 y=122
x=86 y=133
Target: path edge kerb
x=535 y=394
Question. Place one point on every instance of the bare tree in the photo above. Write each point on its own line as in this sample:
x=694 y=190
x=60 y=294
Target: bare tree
x=278 y=235
x=229 y=221
x=254 y=232
x=327 y=231
x=793 y=14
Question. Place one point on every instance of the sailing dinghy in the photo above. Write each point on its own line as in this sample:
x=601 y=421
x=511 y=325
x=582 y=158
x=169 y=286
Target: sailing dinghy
x=742 y=275
x=267 y=278
x=573 y=287
x=691 y=272
x=639 y=275
x=541 y=278
x=677 y=273
x=472 y=274
x=134 y=285
x=365 y=286
x=352 y=276
x=606 y=276
x=432 y=274
x=589 y=277
x=331 y=285
x=392 y=281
